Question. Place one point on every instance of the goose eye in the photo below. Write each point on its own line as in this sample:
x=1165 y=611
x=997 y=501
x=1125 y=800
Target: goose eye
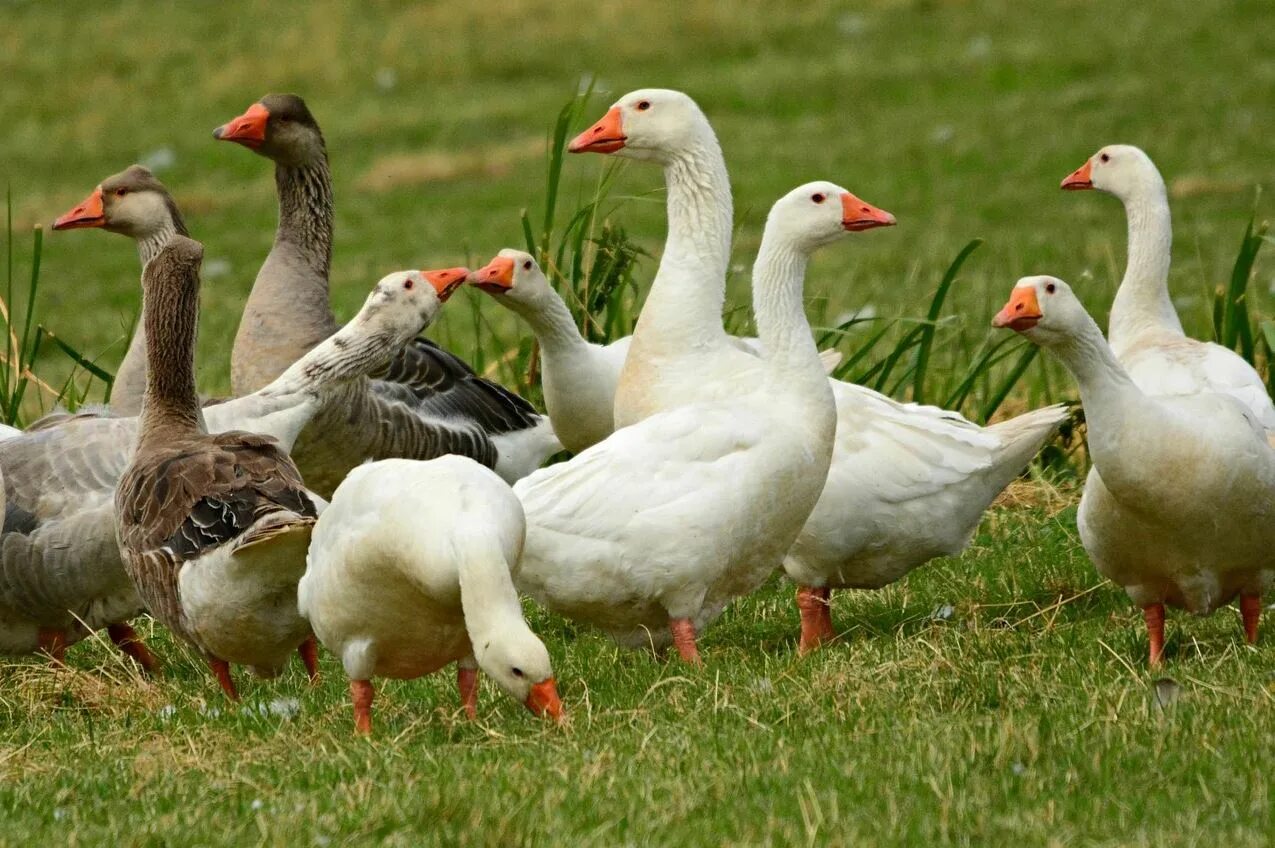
x=120 y=192
x=1049 y=288
x=644 y=105
x=818 y=197
x=408 y=283
x=1106 y=157
x=517 y=672
x=527 y=265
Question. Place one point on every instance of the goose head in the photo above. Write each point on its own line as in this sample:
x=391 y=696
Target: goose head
x=513 y=275
x=132 y=203
x=279 y=127
x=405 y=302
x=650 y=123
x=1043 y=309
x=1119 y=169
x=519 y=663
x=818 y=213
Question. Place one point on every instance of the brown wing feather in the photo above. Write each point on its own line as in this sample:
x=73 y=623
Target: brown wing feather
x=199 y=493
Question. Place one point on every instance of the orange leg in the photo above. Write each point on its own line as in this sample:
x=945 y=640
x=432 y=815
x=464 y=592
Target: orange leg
x=309 y=653
x=221 y=668
x=1251 y=611
x=814 y=603
x=127 y=640
x=467 y=682
x=361 y=693
x=52 y=642
x=1154 y=616
x=684 y=640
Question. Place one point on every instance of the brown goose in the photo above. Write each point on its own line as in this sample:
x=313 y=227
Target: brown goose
x=135 y=204
x=61 y=574
x=428 y=402
x=213 y=529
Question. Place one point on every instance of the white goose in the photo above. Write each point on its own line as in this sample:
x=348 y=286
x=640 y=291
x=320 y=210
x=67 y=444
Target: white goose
x=1145 y=332
x=648 y=534
x=907 y=482
x=578 y=376
x=409 y=570
x=1177 y=508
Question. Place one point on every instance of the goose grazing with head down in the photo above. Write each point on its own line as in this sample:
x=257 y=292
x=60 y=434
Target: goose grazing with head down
x=428 y=402
x=578 y=376
x=1177 y=506
x=135 y=204
x=1145 y=332
x=648 y=534
x=410 y=570
x=61 y=575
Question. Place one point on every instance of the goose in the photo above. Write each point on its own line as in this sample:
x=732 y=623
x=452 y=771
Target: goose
x=1144 y=330
x=907 y=482
x=578 y=376
x=136 y=204
x=429 y=402
x=679 y=345
x=212 y=528
x=648 y=534
x=1177 y=505
x=409 y=570
x=61 y=575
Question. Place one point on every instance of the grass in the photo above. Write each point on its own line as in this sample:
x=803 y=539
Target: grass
x=999 y=697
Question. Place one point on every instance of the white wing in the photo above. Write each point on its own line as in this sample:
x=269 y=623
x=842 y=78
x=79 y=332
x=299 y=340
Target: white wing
x=1181 y=366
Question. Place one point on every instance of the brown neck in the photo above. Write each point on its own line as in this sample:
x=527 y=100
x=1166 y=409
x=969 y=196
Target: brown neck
x=170 y=317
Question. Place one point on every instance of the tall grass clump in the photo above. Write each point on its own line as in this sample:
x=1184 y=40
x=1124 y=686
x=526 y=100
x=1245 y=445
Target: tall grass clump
x=23 y=394
x=1233 y=326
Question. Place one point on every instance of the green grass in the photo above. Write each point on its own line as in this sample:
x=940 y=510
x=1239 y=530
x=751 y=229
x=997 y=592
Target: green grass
x=1026 y=717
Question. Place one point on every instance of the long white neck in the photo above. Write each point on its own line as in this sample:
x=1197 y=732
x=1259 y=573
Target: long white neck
x=684 y=308
x=1107 y=393
x=552 y=322
x=778 y=276
x=487 y=593
x=1142 y=302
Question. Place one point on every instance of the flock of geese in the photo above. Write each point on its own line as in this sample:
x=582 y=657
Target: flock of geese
x=365 y=487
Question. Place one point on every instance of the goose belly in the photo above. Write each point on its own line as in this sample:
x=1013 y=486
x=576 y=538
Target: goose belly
x=380 y=623
x=1197 y=561
x=241 y=605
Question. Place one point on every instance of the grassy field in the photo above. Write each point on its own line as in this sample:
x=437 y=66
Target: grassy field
x=997 y=698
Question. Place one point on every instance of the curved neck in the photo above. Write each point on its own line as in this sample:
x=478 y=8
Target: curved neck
x=487 y=593
x=551 y=321
x=1105 y=387
x=170 y=315
x=130 y=378
x=1142 y=301
x=778 y=276
x=684 y=307
x=356 y=350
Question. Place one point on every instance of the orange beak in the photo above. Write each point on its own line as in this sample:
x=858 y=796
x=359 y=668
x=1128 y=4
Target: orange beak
x=857 y=215
x=446 y=281
x=1021 y=313
x=249 y=129
x=88 y=214
x=496 y=277
x=606 y=136
x=544 y=701
x=1079 y=179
